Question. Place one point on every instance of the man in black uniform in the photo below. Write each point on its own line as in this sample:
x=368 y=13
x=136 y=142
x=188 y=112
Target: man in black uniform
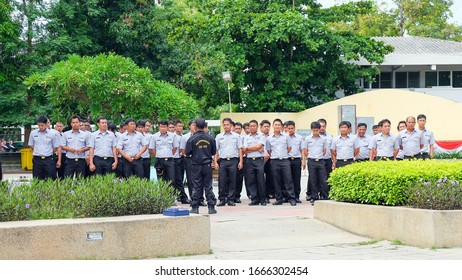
x=201 y=148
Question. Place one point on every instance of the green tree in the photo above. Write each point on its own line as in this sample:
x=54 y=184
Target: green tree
x=284 y=56
x=113 y=86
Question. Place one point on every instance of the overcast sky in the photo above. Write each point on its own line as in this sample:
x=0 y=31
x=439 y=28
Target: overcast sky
x=456 y=7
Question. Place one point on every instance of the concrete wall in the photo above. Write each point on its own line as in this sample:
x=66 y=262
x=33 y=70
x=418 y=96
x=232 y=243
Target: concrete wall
x=417 y=227
x=127 y=237
x=442 y=114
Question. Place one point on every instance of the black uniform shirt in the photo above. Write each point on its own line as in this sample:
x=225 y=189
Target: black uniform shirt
x=201 y=147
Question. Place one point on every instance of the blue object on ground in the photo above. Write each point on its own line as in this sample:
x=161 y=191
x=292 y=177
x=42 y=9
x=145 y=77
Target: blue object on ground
x=175 y=211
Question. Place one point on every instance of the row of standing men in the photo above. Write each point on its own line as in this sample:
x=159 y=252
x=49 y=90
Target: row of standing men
x=270 y=163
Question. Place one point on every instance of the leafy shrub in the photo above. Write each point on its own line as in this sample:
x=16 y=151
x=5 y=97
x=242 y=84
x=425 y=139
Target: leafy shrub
x=450 y=155
x=387 y=182
x=444 y=194
x=91 y=197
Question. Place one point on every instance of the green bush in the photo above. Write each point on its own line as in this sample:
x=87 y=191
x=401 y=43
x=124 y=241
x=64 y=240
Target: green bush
x=444 y=194
x=388 y=182
x=91 y=197
x=451 y=155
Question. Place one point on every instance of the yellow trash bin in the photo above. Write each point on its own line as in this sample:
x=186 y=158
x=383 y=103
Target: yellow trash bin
x=26 y=159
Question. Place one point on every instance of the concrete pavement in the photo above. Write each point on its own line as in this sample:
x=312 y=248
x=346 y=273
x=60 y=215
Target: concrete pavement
x=289 y=232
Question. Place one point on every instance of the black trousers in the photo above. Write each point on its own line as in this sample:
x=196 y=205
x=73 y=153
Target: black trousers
x=75 y=167
x=227 y=173
x=147 y=168
x=424 y=155
x=134 y=168
x=120 y=170
x=44 y=168
x=318 y=177
x=341 y=162
x=328 y=167
x=169 y=169
x=201 y=176
x=255 y=178
x=296 y=171
x=240 y=181
x=102 y=166
x=179 y=175
x=61 y=169
x=269 y=179
x=282 y=178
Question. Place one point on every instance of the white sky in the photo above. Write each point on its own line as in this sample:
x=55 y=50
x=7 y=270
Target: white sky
x=456 y=7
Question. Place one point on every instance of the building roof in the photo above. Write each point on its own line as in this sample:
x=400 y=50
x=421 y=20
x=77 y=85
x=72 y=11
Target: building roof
x=422 y=46
x=413 y=50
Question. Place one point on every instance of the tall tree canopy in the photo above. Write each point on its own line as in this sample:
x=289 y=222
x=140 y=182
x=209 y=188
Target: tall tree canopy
x=283 y=55
x=111 y=86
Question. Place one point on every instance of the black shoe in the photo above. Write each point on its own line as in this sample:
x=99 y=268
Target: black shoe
x=298 y=200
x=271 y=196
x=308 y=198
x=231 y=203
x=263 y=203
x=202 y=204
x=222 y=203
x=277 y=202
x=253 y=203
x=266 y=200
x=293 y=203
x=238 y=201
x=212 y=210
x=312 y=201
x=285 y=200
x=186 y=201
x=194 y=210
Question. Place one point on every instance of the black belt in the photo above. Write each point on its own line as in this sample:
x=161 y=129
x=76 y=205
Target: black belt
x=255 y=158
x=294 y=158
x=423 y=153
x=165 y=159
x=42 y=157
x=75 y=159
x=104 y=158
x=316 y=159
x=362 y=159
x=345 y=160
x=228 y=158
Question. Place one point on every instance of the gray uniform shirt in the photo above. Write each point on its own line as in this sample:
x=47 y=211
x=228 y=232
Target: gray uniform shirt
x=278 y=145
x=329 y=139
x=296 y=142
x=410 y=142
x=252 y=140
x=385 y=145
x=132 y=144
x=148 y=137
x=44 y=142
x=429 y=139
x=178 y=139
x=228 y=145
x=102 y=143
x=163 y=144
x=76 y=140
x=315 y=146
x=364 y=150
x=184 y=139
x=345 y=147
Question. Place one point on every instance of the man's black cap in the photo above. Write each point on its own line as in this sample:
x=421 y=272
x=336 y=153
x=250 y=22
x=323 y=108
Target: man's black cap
x=200 y=123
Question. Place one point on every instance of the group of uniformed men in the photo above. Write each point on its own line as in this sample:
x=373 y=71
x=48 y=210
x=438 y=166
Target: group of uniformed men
x=271 y=163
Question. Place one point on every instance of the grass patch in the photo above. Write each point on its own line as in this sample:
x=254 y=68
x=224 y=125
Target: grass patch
x=369 y=242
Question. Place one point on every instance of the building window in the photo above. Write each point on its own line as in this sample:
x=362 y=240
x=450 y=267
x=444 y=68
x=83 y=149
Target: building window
x=385 y=80
x=431 y=79
x=457 y=79
x=444 y=78
x=414 y=80
x=401 y=80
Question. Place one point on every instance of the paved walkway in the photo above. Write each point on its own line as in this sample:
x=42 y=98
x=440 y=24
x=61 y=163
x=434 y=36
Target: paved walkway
x=291 y=233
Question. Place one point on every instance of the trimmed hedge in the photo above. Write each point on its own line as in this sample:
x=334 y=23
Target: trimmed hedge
x=90 y=197
x=389 y=182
